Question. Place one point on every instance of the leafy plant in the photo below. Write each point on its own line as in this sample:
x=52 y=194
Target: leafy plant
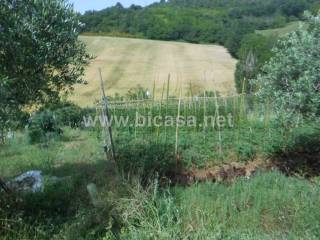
x=146 y=158
x=253 y=53
x=43 y=125
x=68 y=113
x=49 y=58
x=291 y=77
x=246 y=151
x=138 y=93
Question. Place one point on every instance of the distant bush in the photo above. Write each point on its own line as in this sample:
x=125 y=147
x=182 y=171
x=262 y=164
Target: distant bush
x=116 y=97
x=112 y=34
x=69 y=114
x=43 y=125
x=254 y=52
x=138 y=93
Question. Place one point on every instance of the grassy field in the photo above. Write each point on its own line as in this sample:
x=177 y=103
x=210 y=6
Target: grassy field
x=248 y=208
x=279 y=32
x=149 y=196
x=125 y=63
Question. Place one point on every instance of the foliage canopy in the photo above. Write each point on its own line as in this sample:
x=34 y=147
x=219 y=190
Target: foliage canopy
x=40 y=55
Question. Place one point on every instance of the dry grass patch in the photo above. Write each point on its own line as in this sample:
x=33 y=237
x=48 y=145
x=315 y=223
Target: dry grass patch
x=128 y=62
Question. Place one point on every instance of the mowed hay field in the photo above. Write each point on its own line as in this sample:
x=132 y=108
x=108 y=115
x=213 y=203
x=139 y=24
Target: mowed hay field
x=126 y=63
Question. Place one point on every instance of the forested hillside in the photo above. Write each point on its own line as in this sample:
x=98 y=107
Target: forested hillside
x=200 y=21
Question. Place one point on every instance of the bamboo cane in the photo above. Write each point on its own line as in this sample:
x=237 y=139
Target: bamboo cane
x=217 y=118
x=177 y=125
x=160 y=109
x=204 y=113
x=167 y=103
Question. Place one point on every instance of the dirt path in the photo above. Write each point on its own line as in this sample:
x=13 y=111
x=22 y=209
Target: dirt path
x=226 y=173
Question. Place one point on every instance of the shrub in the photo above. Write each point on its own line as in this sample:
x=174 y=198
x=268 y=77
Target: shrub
x=69 y=114
x=138 y=93
x=42 y=126
x=254 y=51
x=301 y=153
x=291 y=78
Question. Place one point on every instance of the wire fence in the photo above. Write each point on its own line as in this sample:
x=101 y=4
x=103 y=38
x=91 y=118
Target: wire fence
x=172 y=101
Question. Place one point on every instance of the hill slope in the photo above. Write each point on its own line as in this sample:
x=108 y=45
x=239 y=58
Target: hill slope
x=127 y=63
x=225 y=22
x=279 y=32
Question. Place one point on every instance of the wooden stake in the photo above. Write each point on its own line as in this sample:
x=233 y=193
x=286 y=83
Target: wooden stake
x=168 y=89
x=106 y=113
x=204 y=113
x=167 y=104
x=177 y=129
x=217 y=114
x=153 y=92
x=243 y=107
x=160 y=109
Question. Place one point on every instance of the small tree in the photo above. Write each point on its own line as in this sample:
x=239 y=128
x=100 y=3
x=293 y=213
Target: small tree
x=40 y=53
x=291 y=79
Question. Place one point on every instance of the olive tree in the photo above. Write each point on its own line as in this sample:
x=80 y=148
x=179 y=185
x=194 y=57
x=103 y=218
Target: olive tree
x=40 y=53
x=41 y=56
x=291 y=79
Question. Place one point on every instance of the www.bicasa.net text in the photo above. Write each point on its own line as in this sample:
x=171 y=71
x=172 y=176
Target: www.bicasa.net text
x=158 y=121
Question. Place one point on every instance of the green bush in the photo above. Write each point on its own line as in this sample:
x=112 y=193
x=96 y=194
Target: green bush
x=138 y=93
x=69 y=114
x=300 y=153
x=291 y=77
x=43 y=126
x=254 y=52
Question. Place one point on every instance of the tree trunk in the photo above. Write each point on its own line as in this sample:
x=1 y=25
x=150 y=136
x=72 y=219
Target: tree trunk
x=4 y=186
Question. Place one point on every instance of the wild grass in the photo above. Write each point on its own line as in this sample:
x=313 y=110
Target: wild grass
x=256 y=208
x=248 y=209
x=280 y=32
x=63 y=210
